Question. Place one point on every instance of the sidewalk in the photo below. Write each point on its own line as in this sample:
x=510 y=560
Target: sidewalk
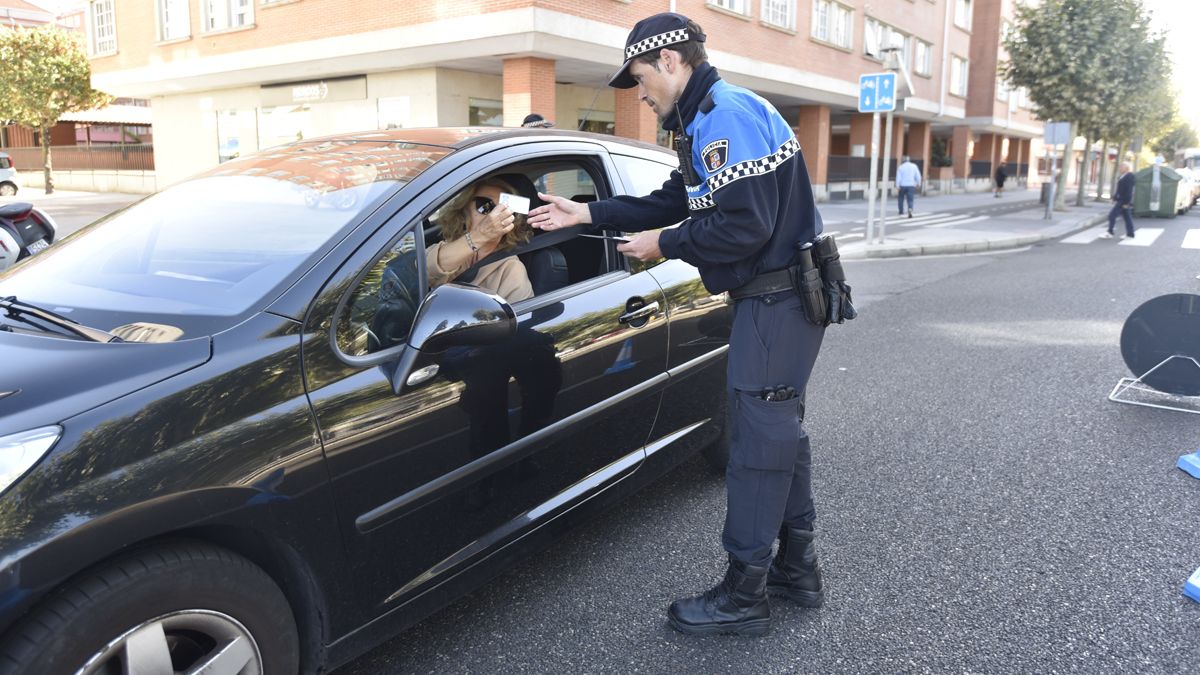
x=997 y=232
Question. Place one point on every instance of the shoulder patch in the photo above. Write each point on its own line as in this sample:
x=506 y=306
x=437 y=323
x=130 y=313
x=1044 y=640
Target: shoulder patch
x=715 y=154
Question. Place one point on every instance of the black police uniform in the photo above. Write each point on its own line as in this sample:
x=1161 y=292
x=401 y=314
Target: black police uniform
x=744 y=190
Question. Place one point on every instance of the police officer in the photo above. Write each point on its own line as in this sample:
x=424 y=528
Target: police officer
x=744 y=191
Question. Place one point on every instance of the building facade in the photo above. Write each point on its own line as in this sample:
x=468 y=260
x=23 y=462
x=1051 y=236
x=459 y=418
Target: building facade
x=227 y=77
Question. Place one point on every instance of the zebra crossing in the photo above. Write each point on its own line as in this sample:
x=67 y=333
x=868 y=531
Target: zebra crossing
x=850 y=230
x=1143 y=237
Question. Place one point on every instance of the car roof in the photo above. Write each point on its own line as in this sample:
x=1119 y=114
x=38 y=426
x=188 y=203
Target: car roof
x=464 y=137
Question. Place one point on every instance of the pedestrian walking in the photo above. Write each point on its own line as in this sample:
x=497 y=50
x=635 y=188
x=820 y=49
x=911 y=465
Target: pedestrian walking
x=908 y=179
x=744 y=196
x=1001 y=176
x=1122 y=202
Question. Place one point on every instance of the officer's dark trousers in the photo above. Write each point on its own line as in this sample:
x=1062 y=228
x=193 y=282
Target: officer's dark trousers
x=769 y=477
x=1127 y=214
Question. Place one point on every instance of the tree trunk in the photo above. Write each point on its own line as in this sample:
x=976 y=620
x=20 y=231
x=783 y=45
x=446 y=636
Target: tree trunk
x=1083 y=170
x=1060 y=193
x=1112 y=190
x=47 y=169
x=1103 y=172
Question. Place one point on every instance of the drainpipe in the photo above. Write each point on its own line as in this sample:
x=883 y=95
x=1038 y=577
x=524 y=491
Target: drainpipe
x=945 y=58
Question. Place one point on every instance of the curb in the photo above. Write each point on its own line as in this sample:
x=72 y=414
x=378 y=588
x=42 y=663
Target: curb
x=973 y=246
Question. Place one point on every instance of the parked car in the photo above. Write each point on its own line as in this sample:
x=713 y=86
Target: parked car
x=238 y=429
x=10 y=180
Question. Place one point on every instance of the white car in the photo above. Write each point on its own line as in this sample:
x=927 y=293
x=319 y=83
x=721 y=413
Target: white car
x=9 y=180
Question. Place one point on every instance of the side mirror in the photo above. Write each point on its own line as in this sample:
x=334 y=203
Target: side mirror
x=451 y=316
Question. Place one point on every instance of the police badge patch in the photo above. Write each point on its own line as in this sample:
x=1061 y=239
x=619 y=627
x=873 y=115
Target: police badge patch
x=715 y=155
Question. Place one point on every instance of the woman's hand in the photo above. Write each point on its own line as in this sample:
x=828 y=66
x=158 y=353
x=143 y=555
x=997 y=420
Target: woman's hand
x=491 y=229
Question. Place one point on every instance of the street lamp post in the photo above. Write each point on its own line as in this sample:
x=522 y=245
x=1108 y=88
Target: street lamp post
x=891 y=61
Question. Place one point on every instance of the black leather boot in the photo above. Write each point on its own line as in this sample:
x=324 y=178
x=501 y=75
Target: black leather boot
x=736 y=606
x=794 y=573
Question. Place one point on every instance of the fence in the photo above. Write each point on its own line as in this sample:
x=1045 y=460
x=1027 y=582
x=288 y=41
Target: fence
x=83 y=158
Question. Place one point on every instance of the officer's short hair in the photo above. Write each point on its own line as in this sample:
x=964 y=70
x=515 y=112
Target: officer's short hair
x=691 y=52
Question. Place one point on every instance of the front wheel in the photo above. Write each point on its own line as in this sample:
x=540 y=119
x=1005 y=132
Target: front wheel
x=183 y=607
x=7 y=189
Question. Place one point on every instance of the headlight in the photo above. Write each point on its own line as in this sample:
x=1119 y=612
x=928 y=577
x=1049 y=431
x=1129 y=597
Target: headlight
x=20 y=451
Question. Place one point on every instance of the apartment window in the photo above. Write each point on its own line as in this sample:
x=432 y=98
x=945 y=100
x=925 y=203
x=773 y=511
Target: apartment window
x=962 y=14
x=1002 y=91
x=223 y=14
x=832 y=23
x=880 y=36
x=173 y=20
x=780 y=13
x=104 y=27
x=738 y=6
x=958 y=76
x=597 y=122
x=485 y=113
x=923 y=58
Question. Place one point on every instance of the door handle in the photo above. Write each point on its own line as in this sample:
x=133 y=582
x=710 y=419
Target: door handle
x=639 y=313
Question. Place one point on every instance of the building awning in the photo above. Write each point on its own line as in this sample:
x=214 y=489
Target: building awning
x=129 y=115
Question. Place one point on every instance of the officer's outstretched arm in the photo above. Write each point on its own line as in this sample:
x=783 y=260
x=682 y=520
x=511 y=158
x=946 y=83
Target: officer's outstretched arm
x=558 y=213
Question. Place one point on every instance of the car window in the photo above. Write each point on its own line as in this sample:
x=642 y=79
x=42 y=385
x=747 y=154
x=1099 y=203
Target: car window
x=642 y=176
x=380 y=311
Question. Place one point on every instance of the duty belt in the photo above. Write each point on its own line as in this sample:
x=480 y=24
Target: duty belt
x=767 y=282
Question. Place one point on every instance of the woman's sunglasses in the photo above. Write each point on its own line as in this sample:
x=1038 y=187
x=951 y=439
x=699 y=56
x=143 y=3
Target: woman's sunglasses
x=484 y=206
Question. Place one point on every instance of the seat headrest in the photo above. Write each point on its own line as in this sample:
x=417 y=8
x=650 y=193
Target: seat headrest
x=523 y=186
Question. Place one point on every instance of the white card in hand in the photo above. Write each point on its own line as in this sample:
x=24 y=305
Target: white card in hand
x=515 y=203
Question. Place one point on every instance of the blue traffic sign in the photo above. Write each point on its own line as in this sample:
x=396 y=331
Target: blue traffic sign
x=877 y=92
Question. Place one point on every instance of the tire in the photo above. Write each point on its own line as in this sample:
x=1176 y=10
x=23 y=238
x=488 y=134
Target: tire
x=7 y=189
x=186 y=602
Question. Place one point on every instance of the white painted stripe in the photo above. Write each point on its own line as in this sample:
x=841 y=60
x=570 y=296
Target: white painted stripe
x=1191 y=239
x=917 y=222
x=953 y=218
x=1145 y=237
x=923 y=216
x=832 y=233
x=961 y=222
x=1085 y=237
x=852 y=235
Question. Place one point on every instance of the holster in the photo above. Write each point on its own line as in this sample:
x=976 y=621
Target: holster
x=806 y=281
x=833 y=281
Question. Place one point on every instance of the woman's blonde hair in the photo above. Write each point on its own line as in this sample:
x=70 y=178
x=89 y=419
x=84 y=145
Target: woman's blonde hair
x=454 y=215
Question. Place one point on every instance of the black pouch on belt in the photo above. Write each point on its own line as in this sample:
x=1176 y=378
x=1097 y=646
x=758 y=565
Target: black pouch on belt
x=833 y=278
x=806 y=281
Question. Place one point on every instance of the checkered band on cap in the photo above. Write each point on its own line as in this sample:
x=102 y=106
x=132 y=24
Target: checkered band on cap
x=655 y=41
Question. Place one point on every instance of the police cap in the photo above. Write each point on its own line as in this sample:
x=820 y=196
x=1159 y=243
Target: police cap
x=651 y=33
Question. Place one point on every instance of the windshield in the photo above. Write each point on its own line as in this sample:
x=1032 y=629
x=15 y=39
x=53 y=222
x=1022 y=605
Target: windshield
x=199 y=254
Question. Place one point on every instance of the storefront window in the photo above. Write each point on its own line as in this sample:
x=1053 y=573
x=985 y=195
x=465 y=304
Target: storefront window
x=236 y=135
x=283 y=124
x=597 y=122
x=486 y=113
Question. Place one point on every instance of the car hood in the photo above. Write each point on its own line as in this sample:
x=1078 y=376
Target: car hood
x=44 y=380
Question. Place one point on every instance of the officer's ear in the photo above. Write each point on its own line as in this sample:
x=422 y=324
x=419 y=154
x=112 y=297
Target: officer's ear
x=670 y=59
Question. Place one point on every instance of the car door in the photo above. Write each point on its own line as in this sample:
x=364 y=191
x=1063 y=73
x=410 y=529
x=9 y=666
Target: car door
x=504 y=436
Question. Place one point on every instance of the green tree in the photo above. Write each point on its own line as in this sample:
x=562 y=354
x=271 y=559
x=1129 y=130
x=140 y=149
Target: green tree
x=1073 y=58
x=46 y=74
x=1180 y=135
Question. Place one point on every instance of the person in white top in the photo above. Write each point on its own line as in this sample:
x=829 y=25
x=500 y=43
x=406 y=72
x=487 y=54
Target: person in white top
x=908 y=179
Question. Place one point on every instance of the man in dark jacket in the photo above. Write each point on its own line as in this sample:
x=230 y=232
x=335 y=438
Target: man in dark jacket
x=743 y=193
x=1122 y=202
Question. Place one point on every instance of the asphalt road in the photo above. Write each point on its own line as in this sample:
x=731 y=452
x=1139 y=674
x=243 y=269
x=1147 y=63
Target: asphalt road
x=983 y=506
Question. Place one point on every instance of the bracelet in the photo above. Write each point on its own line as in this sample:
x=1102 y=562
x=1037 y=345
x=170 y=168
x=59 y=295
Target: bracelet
x=471 y=242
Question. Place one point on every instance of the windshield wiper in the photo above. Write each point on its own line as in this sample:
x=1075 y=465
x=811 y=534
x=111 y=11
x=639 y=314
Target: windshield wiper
x=15 y=308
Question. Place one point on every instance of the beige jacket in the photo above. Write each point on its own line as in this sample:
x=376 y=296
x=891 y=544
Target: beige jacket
x=506 y=277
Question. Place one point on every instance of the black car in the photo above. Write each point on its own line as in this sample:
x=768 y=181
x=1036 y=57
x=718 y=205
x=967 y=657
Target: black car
x=237 y=428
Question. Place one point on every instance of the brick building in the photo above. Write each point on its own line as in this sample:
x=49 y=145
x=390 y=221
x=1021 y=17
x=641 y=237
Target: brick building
x=232 y=76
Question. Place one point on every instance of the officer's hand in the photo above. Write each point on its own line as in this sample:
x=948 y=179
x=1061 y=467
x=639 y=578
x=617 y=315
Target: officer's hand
x=558 y=213
x=642 y=246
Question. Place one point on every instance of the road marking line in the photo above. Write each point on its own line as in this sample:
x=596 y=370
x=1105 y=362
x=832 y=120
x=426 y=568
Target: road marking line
x=1087 y=236
x=853 y=235
x=1145 y=237
x=923 y=216
x=954 y=217
x=1191 y=239
x=961 y=222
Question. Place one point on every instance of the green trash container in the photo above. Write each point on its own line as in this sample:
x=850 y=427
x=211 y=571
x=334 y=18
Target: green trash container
x=1163 y=202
